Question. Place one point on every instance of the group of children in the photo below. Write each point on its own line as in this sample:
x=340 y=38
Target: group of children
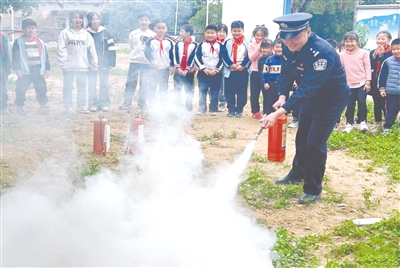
x=83 y=55
x=371 y=73
x=222 y=67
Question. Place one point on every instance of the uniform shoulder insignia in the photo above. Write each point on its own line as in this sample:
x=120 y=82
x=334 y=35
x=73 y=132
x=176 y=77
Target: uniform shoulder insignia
x=320 y=65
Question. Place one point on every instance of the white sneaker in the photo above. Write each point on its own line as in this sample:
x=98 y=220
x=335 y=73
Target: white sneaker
x=336 y=126
x=294 y=123
x=363 y=126
x=348 y=128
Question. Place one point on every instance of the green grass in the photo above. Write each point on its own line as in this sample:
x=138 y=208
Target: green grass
x=260 y=192
x=213 y=138
x=384 y=151
x=375 y=245
x=372 y=246
x=294 y=252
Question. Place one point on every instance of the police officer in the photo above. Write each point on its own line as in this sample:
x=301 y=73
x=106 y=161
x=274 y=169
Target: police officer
x=321 y=95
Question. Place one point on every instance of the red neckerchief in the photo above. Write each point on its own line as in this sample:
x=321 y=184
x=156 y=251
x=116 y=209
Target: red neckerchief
x=379 y=63
x=221 y=40
x=184 y=59
x=39 y=45
x=235 y=46
x=212 y=45
x=161 y=44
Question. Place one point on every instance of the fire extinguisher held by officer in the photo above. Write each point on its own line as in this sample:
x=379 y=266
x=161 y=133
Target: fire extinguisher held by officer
x=321 y=95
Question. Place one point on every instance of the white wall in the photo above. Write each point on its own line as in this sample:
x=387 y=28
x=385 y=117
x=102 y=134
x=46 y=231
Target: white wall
x=252 y=13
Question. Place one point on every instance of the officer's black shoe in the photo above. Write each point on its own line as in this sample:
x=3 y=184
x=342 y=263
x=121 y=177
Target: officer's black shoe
x=288 y=180
x=308 y=198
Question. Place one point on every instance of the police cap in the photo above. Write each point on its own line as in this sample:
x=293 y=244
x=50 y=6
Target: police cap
x=292 y=24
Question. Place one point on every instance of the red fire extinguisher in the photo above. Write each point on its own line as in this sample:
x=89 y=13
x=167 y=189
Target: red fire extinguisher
x=136 y=134
x=277 y=140
x=101 y=136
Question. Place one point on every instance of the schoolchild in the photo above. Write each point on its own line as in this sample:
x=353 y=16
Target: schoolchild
x=236 y=60
x=184 y=53
x=159 y=52
x=210 y=64
x=105 y=48
x=139 y=65
x=272 y=70
x=76 y=55
x=358 y=73
x=377 y=57
x=389 y=85
x=221 y=37
x=31 y=64
x=259 y=33
x=5 y=66
x=265 y=52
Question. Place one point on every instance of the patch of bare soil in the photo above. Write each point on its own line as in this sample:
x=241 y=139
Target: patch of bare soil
x=28 y=140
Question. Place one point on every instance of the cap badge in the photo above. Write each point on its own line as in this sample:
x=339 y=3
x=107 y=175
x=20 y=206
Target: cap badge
x=283 y=25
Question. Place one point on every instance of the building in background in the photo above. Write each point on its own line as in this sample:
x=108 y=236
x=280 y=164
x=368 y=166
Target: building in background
x=50 y=18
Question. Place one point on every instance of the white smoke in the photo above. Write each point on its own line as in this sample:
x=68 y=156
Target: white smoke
x=157 y=211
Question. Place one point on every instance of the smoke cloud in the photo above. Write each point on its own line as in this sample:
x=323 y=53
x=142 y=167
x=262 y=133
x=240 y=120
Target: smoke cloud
x=158 y=210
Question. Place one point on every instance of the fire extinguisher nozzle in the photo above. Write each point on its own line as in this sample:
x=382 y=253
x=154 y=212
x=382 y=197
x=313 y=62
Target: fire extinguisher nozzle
x=258 y=134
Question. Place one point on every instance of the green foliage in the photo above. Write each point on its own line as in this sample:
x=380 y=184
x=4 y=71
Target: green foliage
x=374 y=245
x=213 y=138
x=89 y=169
x=258 y=158
x=121 y=17
x=293 y=252
x=382 y=150
x=234 y=134
x=260 y=193
x=214 y=16
x=27 y=6
x=363 y=33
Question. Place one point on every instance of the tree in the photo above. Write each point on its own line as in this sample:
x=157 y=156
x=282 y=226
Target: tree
x=27 y=6
x=331 y=19
x=214 y=16
x=121 y=17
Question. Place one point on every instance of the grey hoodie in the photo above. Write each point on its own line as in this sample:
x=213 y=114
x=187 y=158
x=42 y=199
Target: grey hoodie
x=75 y=50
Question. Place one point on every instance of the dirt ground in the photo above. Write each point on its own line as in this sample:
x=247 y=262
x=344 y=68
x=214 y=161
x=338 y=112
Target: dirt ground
x=28 y=140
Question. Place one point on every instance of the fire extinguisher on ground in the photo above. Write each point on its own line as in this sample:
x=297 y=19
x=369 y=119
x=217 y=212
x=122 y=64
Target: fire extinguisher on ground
x=101 y=135
x=136 y=134
x=277 y=140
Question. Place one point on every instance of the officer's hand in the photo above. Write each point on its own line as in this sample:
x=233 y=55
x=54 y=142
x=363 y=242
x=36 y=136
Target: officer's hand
x=281 y=101
x=266 y=86
x=270 y=120
x=233 y=67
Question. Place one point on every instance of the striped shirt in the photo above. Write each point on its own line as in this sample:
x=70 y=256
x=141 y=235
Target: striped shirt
x=32 y=51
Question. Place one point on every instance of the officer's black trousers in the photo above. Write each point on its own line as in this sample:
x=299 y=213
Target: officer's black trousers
x=316 y=123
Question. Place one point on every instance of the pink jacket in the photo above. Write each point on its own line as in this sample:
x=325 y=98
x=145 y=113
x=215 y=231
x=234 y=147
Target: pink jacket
x=357 y=67
x=254 y=55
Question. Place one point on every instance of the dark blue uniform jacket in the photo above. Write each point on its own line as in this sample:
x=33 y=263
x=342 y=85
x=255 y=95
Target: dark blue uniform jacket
x=318 y=72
